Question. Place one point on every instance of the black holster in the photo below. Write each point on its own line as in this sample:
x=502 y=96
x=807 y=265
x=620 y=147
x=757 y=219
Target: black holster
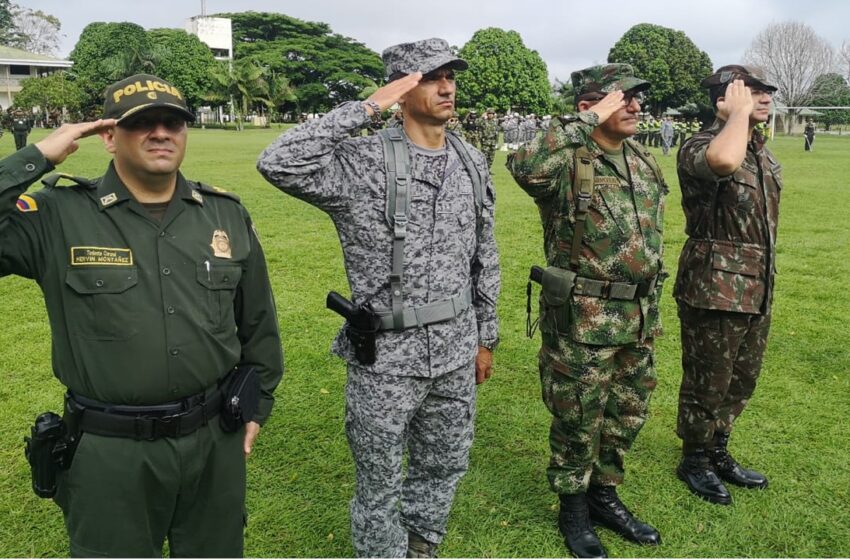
x=362 y=328
x=50 y=449
x=241 y=392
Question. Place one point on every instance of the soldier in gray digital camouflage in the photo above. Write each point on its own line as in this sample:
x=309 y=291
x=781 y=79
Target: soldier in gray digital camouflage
x=601 y=201
x=730 y=186
x=414 y=210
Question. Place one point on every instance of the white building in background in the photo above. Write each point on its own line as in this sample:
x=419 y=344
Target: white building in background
x=16 y=65
x=216 y=33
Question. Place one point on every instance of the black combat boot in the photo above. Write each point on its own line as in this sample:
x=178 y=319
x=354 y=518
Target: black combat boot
x=728 y=468
x=418 y=547
x=574 y=523
x=607 y=510
x=696 y=472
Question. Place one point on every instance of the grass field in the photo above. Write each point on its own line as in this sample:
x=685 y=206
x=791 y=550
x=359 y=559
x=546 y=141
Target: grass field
x=301 y=475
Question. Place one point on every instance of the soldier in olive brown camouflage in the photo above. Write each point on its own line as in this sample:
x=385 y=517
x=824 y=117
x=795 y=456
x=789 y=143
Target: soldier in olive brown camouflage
x=596 y=362
x=724 y=286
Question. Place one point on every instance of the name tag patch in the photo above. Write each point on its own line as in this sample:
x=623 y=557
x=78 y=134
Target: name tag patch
x=604 y=180
x=84 y=256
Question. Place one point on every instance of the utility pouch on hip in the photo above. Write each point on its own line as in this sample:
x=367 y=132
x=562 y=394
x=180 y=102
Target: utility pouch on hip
x=556 y=288
x=49 y=449
x=241 y=392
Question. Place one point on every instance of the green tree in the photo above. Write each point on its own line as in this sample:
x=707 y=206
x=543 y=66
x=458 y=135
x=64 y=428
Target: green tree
x=107 y=52
x=831 y=90
x=503 y=74
x=7 y=24
x=669 y=60
x=563 y=98
x=185 y=61
x=51 y=93
x=243 y=83
x=324 y=68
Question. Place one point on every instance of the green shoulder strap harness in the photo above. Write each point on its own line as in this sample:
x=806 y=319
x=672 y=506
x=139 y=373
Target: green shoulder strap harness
x=397 y=162
x=583 y=189
x=53 y=180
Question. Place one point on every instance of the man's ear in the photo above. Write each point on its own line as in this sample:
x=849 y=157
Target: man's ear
x=583 y=106
x=108 y=138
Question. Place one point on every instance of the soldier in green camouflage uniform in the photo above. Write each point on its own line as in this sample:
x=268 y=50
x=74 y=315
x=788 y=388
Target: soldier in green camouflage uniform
x=489 y=135
x=472 y=127
x=599 y=301
x=730 y=195
x=454 y=125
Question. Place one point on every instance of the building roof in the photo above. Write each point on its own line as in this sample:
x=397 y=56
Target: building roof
x=9 y=55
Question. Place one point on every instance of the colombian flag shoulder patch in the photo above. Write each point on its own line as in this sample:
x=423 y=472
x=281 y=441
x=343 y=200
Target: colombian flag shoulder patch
x=27 y=203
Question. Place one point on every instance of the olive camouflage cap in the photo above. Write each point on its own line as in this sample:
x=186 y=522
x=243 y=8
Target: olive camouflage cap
x=140 y=93
x=751 y=76
x=420 y=56
x=606 y=78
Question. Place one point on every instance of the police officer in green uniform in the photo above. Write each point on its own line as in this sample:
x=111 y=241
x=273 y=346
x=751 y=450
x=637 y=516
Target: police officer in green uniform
x=156 y=289
x=21 y=127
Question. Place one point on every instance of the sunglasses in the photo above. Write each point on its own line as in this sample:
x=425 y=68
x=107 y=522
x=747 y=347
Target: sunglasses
x=147 y=123
x=638 y=96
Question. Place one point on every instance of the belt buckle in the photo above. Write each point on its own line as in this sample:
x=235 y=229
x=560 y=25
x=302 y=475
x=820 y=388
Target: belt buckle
x=166 y=426
x=605 y=290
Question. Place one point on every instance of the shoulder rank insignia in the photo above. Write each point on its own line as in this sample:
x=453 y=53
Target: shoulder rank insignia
x=26 y=203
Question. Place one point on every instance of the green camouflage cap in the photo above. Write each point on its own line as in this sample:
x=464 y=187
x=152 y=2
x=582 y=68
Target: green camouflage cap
x=751 y=75
x=420 y=56
x=141 y=92
x=606 y=78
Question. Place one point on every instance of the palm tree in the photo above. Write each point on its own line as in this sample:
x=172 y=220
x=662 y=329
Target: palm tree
x=243 y=84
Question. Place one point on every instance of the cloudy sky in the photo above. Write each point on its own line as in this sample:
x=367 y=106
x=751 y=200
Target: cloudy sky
x=568 y=35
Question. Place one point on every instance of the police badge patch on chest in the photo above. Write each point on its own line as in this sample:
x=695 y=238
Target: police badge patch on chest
x=221 y=244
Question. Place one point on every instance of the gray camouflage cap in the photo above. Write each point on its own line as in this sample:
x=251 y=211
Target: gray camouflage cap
x=420 y=56
x=606 y=78
x=751 y=75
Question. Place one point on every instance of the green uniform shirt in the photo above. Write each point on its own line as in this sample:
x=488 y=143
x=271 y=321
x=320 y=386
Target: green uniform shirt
x=622 y=241
x=141 y=312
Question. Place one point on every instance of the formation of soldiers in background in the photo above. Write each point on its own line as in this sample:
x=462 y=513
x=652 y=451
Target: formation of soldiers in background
x=485 y=130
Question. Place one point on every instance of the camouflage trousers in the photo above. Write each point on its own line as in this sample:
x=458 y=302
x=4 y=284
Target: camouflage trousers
x=721 y=361
x=433 y=419
x=598 y=397
x=489 y=150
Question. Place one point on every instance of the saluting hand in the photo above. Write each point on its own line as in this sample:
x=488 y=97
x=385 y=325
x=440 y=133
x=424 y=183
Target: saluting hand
x=738 y=100
x=388 y=95
x=608 y=105
x=62 y=142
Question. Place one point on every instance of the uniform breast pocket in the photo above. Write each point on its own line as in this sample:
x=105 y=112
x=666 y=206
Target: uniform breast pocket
x=606 y=220
x=218 y=288
x=100 y=303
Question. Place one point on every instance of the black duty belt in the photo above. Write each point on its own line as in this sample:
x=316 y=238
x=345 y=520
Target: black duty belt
x=172 y=419
x=614 y=290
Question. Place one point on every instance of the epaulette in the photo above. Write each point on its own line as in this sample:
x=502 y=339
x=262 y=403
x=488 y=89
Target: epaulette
x=53 y=180
x=216 y=191
x=568 y=118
